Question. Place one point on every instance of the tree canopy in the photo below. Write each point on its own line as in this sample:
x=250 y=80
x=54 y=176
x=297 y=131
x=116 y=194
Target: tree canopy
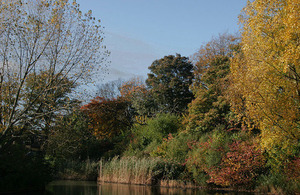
x=266 y=73
x=210 y=107
x=46 y=48
x=110 y=117
x=169 y=83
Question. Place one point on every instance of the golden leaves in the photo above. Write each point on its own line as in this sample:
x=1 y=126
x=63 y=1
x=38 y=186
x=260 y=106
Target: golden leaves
x=266 y=73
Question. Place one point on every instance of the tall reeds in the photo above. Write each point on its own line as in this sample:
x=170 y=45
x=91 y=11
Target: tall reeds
x=130 y=170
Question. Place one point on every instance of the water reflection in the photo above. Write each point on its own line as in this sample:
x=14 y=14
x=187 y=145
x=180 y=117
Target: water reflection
x=91 y=188
x=72 y=188
x=119 y=189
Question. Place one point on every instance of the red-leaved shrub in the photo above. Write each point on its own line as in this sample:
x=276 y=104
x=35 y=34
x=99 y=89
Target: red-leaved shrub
x=240 y=166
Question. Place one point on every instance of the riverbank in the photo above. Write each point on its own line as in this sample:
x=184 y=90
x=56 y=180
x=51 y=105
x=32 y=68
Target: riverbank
x=87 y=188
x=141 y=171
x=145 y=172
x=177 y=184
x=152 y=172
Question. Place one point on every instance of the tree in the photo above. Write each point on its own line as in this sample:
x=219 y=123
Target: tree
x=210 y=107
x=266 y=74
x=40 y=114
x=169 y=83
x=133 y=90
x=129 y=88
x=46 y=47
x=109 y=117
x=136 y=92
x=71 y=138
x=110 y=89
x=110 y=122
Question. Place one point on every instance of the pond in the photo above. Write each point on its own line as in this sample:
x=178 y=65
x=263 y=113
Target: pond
x=91 y=188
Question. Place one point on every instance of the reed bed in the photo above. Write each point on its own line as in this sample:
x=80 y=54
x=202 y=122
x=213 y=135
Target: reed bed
x=129 y=170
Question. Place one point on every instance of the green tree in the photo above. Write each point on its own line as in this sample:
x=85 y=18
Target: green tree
x=41 y=112
x=210 y=107
x=169 y=83
x=148 y=136
x=71 y=138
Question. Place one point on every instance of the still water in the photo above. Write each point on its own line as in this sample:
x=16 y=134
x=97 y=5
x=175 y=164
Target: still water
x=91 y=188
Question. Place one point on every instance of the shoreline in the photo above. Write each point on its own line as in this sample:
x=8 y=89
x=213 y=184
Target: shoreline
x=176 y=184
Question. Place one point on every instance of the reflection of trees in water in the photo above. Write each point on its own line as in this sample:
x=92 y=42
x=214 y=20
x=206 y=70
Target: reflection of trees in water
x=124 y=189
x=91 y=188
x=72 y=187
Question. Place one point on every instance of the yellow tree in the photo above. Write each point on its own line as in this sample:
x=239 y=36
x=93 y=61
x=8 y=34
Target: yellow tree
x=51 y=38
x=266 y=73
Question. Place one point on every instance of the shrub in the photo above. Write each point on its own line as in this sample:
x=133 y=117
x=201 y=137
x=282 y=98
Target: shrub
x=240 y=166
x=147 y=137
x=77 y=170
x=23 y=169
x=277 y=183
x=292 y=170
x=206 y=153
x=286 y=181
x=174 y=148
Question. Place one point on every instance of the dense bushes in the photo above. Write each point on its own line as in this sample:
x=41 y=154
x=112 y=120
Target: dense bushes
x=174 y=147
x=240 y=166
x=23 y=169
x=148 y=136
x=204 y=154
x=77 y=170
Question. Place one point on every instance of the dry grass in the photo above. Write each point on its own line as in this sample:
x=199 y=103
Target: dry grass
x=130 y=170
x=142 y=171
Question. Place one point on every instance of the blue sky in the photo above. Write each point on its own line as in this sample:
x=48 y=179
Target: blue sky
x=137 y=32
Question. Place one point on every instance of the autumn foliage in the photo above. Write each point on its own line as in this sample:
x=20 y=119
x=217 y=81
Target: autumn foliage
x=265 y=74
x=236 y=106
x=109 y=117
x=132 y=88
x=240 y=166
x=293 y=170
x=228 y=117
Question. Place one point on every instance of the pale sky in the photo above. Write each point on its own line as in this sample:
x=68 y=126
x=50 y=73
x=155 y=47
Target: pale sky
x=137 y=32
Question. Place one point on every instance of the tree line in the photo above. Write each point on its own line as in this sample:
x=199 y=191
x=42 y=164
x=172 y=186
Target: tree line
x=228 y=116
